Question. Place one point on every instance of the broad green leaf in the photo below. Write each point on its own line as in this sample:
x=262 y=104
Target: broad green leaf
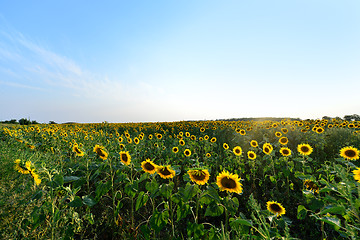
x=141 y=200
x=89 y=201
x=214 y=210
x=77 y=202
x=301 y=212
x=68 y=179
x=190 y=191
x=235 y=223
x=333 y=209
x=102 y=189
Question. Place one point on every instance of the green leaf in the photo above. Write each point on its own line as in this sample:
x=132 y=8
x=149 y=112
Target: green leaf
x=166 y=189
x=89 y=201
x=195 y=230
x=131 y=189
x=58 y=180
x=158 y=220
x=211 y=194
x=141 y=200
x=102 y=189
x=235 y=223
x=332 y=221
x=333 y=209
x=301 y=212
x=183 y=209
x=232 y=204
x=77 y=202
x=190 y=191
x=152 y=187
x=214 y=210
x=68 y=179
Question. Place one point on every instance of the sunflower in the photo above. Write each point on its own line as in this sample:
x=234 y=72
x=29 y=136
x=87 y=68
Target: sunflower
x=175 y=149
x=208 y=155
x=100 y=152
x=242 y=132
x=159 y=136
x=148 y=166
x=267 y=148
x=36 y=177
x=213 y=139
x=122 y=146
x=278 y=134
x=187 y=152
x=77 y=150
x=253 y=143
x=150 y=136
x=19 y=168
x=319 y=130
x=275 y=208
x=237 y=150
x=199 y=176
x=311 y=186
x=187 y=134
x=206 y=137
x=125 y=157
x=356 y=173
x=136 y=140
x=350 y=153
x=202 y=129
x=251 y=155
x=193 y=137
x=285 y=151
x=229 y=182
x=165 y=171
x=181 y=142
x=284 y=130
x=283 y=140
x=225 y=146
x=304 y=149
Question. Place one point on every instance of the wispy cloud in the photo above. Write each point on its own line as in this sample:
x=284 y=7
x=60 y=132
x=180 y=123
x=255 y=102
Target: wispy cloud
x=42 y=68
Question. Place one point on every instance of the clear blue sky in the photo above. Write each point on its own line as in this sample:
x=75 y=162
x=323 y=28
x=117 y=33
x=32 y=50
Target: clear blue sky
x=140 y=61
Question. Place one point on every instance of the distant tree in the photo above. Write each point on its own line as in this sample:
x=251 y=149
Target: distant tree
x=24 y=121
x=353 y=117
x=326 y=118
x=34 y=122
x=52 y=122
x=13 y=121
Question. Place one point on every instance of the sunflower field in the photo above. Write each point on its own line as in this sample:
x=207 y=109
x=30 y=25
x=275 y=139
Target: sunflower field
x=288 y=179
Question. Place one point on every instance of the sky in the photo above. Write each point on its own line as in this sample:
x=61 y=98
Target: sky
x=174 y=60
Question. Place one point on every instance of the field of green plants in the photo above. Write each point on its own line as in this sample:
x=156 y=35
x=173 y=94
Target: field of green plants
x=181 y=180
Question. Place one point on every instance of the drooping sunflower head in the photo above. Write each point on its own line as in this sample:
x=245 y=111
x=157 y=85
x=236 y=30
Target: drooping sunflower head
x=199 y=176
x=237 y=150
x=187 y=152
x=165 y=172
x=275 y=208
x=311 y=186
x=304 y=149
x=253 y=143
x=349 y=153
x=229 y=182
x=77 y=150
x=125 y=157
x=148 y=166
x=21 y=168
x=356 y=173
x=285 y=151
x=283 y=140
x=251 y=155
x=99 y=150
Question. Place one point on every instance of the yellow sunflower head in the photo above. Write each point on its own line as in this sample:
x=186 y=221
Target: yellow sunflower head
x=225 y=146
x=213 y=139
x=251 y=155
x=175 y=149
x=304 y=149
x=165 y=172
x=78 y=151
x=285 y=151
x=283 y=140
x=187 y=152
x=20 y=168
x=275 y=208
x=229 y=182
x=253 y=143
x=278 y=134
x=99 y=150
x=267 y=148
x=136 y=140
x=125 y=157
x=237 y=150
x=148 y=166
x=181 y=142
x=356 y=173
x=199 y=176
x=350 y=153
